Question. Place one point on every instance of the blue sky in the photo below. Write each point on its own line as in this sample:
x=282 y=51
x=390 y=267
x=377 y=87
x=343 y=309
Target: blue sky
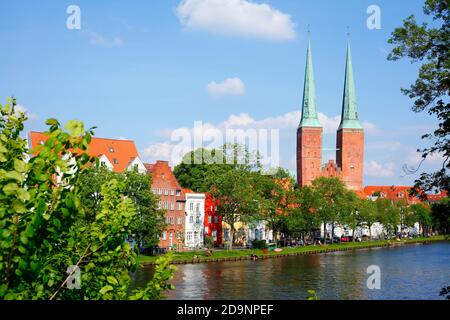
x=140 y=70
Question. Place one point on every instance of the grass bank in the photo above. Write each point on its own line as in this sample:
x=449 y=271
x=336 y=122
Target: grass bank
x=199 y=256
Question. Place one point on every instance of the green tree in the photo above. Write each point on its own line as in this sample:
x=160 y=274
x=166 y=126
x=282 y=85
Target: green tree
x=199 y=169
x=303 y=218
x=149 y=221
x=368 y=214
x=428 y=42
x=237 y=199
x=275 y=198
x=388 y=213
x=422 y=214
x=45 y=238
x=333 y=201
x=440 y=212
x=353 y=215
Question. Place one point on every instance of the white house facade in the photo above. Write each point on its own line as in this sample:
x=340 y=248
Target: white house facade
x=194 y=220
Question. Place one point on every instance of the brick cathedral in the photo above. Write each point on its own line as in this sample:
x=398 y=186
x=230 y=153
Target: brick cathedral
x=349 y=139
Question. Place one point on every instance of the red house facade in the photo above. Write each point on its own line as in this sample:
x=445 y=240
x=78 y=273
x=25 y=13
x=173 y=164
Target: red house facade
x=213 y=221
x=171 y=199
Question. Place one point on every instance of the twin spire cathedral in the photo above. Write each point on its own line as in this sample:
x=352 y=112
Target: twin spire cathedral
x=350 y=134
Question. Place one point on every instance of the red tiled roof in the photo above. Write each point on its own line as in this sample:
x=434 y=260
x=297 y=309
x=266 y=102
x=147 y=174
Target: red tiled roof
x=162 y=175
x=437 y=197
x=392 y=192
x=124 y=151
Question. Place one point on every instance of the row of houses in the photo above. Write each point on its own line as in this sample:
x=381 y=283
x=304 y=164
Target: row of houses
x=192 y=216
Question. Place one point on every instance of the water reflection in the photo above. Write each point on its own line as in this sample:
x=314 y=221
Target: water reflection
x=412 y=272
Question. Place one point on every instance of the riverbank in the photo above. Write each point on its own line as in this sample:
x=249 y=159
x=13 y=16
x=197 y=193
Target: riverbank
x=199 y=256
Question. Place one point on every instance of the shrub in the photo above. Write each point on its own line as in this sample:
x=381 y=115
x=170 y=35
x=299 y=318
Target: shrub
x=259 y=244
x=209 y=242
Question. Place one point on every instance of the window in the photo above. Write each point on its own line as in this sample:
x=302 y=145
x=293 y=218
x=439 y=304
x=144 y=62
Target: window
x=159 y=191
x=212 y=209
x=225 y=234
x=206 y=230
x=180 y=206
x=172 y=207
x=165 y=204
x=171 y=220
x=191 y=206
x=172 y=192
x=166 y=192
x=216 y=219
x=191 y=219
x=111 y=150
x=164 y=235
x=189 y=236
x=178 y=193
x=179 y=221
x=209 y=219
x=103 y=163
x=195 y=235
x=197 y=219
x=115 y=161
x=178 y=235
x=197 y=207
x=214 y=235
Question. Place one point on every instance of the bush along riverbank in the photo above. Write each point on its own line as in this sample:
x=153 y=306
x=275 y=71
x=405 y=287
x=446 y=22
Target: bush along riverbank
x=200 y=256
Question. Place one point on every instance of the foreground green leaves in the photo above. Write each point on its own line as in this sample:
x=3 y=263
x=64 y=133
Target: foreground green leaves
x=49 y=250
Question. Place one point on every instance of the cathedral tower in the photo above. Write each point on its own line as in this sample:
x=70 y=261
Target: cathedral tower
x=309 y=131
x=350 y=134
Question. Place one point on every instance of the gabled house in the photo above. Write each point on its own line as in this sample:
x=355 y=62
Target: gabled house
x=172 y=201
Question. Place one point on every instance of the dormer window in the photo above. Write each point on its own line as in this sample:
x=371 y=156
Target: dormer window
x=400 y=195
x=178 y=193
x=111 y=150
x=382 y=195
x=41 y=142
x=115 y=161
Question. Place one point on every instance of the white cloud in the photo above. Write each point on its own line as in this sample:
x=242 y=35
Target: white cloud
x=158 y=151
x=375 y=169
x=390 y=146
x=236 y=17
x=286 y=124
x=31 y=116
x=329 y=124
x=414 y=158
x=99 y=40
x=369 y=127
x=229 y=86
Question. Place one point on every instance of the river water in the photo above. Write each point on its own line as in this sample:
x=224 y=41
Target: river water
x=407 y=272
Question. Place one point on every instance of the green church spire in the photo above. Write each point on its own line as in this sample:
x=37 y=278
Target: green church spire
x=309 y=112
x=349 y=118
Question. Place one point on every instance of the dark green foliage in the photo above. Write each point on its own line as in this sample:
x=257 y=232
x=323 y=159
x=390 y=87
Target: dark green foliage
x=44 y=228
x=209 y=242
x=440 y=213
x=259 y=244
x=149 y=222
x=429 y=43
